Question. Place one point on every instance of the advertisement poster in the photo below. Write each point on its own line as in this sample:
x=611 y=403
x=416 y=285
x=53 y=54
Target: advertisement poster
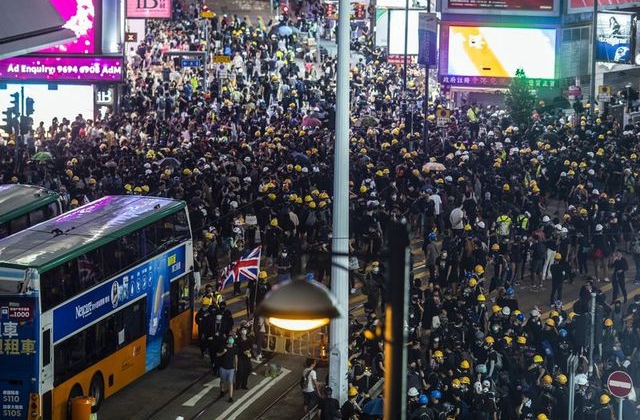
x=18 y=353
x=80 y=17
x=500 y=52
x=427 y=39
x=151 y=280
x=506 y=7
x=149 y=9
x=80 y=69
x=613 y=34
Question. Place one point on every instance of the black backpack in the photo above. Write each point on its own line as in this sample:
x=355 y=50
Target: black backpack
x=304 y=380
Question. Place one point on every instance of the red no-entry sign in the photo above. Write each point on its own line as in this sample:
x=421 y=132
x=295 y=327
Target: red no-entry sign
x=619 y=384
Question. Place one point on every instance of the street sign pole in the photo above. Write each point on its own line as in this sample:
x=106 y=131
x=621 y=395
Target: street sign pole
x=620 y=408
x=592 y=335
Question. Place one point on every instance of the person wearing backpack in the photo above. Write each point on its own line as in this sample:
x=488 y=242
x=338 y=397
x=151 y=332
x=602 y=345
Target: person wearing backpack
x=309 y=385
x=619 y=265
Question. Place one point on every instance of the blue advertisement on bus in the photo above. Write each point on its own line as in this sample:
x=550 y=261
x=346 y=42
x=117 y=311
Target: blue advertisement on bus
x=151 y=278
x=18 y=353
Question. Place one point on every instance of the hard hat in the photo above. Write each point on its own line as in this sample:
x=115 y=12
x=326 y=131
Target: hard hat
x=478 y=269
x=274 y=222
x=436 y=394
x=413 y=392
x=465 y=364
x=550 y=322
x=581 y=379
x=438 y=354
x=489 y=340
x=542 y=416
x=473 y=282
x=561 y=378
x=547 y=380
x=496 y=308
x=467 y=227
x=465 y=380
x=262 y=275
x=74 y=202
x=537 y=359
x=455 y=383
x=495 y=247
x=506 y=311
x=608 y=322
x=206 y=301
x=481 y=298
x=423 y=400
x=604 y=399
x=521 y=340
x=352 y=391
x=554 y=314
x=558 y=256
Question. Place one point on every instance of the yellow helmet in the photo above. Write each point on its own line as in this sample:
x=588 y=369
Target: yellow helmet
x=495 y=309
x=438 y=354
x=186 y=172
x=481 y=298
x=465 y=380
x=137 y=190
x=489 y=340
x=561 y=378
x=274 y=222
x=521 y=340
x=550 y=322
x=547 y=380
x=465 y=364
x=537 y=359
x=128 y=187
x=608 y=322
x=472 y=282
x=74 y=202
x=262 y=275
x=605 y=399
x=542 y=416
x=206 y=301
x=363 y=189
x=478 y=269
x=558 y=256
x=467 y=227
x=352 y=391
x=506 y=187
x=455 y=383
x=495 y=247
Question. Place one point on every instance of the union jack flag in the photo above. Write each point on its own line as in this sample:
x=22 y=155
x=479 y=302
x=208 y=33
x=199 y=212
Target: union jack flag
x=246 y=268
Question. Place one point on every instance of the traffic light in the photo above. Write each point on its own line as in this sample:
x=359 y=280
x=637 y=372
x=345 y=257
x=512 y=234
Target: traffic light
x=276 y=4
x=285 y=9
x=15 y=102
x=7 y=121
x=330 y=11
x=29 y=106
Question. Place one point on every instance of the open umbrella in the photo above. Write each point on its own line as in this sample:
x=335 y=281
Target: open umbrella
x=310 y=121
x=373 y=407
x=433 y=166
x=169 y=162
x=42 y=156
x=284 y=30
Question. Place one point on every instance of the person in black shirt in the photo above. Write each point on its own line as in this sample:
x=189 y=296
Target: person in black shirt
x=245 y=343
x=558 y=276
x=329 y=406
x=228 y=364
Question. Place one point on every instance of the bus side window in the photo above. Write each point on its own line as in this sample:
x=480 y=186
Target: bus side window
x=18 y=224
x=37 y=216
x=4 y=229
x=54 y=209
x=111 y=257
x=52 y=288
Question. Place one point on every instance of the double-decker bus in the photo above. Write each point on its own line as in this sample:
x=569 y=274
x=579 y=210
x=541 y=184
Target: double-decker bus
x=23 y=205
x=91 y=300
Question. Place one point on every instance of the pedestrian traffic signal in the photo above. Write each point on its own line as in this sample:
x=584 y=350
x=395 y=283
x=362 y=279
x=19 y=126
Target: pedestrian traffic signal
x=29 y=108
x=285 y=9
x=7 y=120
x=15 y=102
x=276 y=4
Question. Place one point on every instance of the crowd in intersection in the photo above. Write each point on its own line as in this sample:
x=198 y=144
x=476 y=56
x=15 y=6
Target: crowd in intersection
x=501 y=209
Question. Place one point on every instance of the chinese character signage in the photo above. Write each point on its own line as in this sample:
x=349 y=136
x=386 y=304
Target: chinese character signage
x=81 y=69
x=147 y=279
x=148 y=9
x=497 y=82
x=17 y=330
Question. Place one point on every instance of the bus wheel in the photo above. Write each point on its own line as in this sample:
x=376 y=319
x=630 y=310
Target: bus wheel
x=166 y=350
x=76 y=391
x=96 y=390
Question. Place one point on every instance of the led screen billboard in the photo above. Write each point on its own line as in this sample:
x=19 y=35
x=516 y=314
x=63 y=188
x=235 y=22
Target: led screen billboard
x=503 y=7
x=581 y=6
x=147 y=9
x=498 y=52
x=613 y=43
x=80 y=17
x=52 y=69
x=397 y=31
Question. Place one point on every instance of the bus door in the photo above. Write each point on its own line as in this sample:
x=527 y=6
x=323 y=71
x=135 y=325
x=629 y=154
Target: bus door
x=46 y=350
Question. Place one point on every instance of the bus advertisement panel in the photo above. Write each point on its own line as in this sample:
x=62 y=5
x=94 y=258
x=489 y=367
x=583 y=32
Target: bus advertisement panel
x=18 y=334
x=152 y=279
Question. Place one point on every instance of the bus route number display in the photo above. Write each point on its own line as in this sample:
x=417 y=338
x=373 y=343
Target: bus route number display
x=11 y=406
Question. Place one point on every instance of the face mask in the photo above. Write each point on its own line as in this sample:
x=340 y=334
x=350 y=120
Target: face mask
x=243 y=332
x=375 y=270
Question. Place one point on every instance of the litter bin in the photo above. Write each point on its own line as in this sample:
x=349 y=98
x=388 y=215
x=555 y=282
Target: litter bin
x=81 y=408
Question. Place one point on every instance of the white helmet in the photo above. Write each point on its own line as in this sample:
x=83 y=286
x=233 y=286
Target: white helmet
x=598 y=227
x=581 y=379
x=546 y=219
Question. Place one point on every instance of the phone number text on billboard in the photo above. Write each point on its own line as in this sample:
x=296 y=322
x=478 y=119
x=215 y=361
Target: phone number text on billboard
x=77 y=69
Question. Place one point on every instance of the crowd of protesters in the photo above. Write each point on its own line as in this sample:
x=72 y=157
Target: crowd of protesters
x=502 y=210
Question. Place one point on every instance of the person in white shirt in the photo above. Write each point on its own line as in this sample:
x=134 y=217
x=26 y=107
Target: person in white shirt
x=310 y=391
x=457 y=220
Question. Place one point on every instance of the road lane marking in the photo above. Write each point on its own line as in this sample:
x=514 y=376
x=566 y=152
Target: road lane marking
x=251 y=396
x=191 y=402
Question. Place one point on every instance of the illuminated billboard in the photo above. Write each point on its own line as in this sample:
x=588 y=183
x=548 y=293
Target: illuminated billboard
x=613 y=43
x=581 y=6
x=497 y=52
x=62 y=69
x=148 y=9
x=503 y=7
x=81 y=19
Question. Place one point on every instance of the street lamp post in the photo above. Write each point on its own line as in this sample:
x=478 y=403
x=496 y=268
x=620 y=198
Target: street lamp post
x=594 y=50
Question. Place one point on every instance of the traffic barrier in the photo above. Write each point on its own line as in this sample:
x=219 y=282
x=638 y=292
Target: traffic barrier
x=81 y=408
